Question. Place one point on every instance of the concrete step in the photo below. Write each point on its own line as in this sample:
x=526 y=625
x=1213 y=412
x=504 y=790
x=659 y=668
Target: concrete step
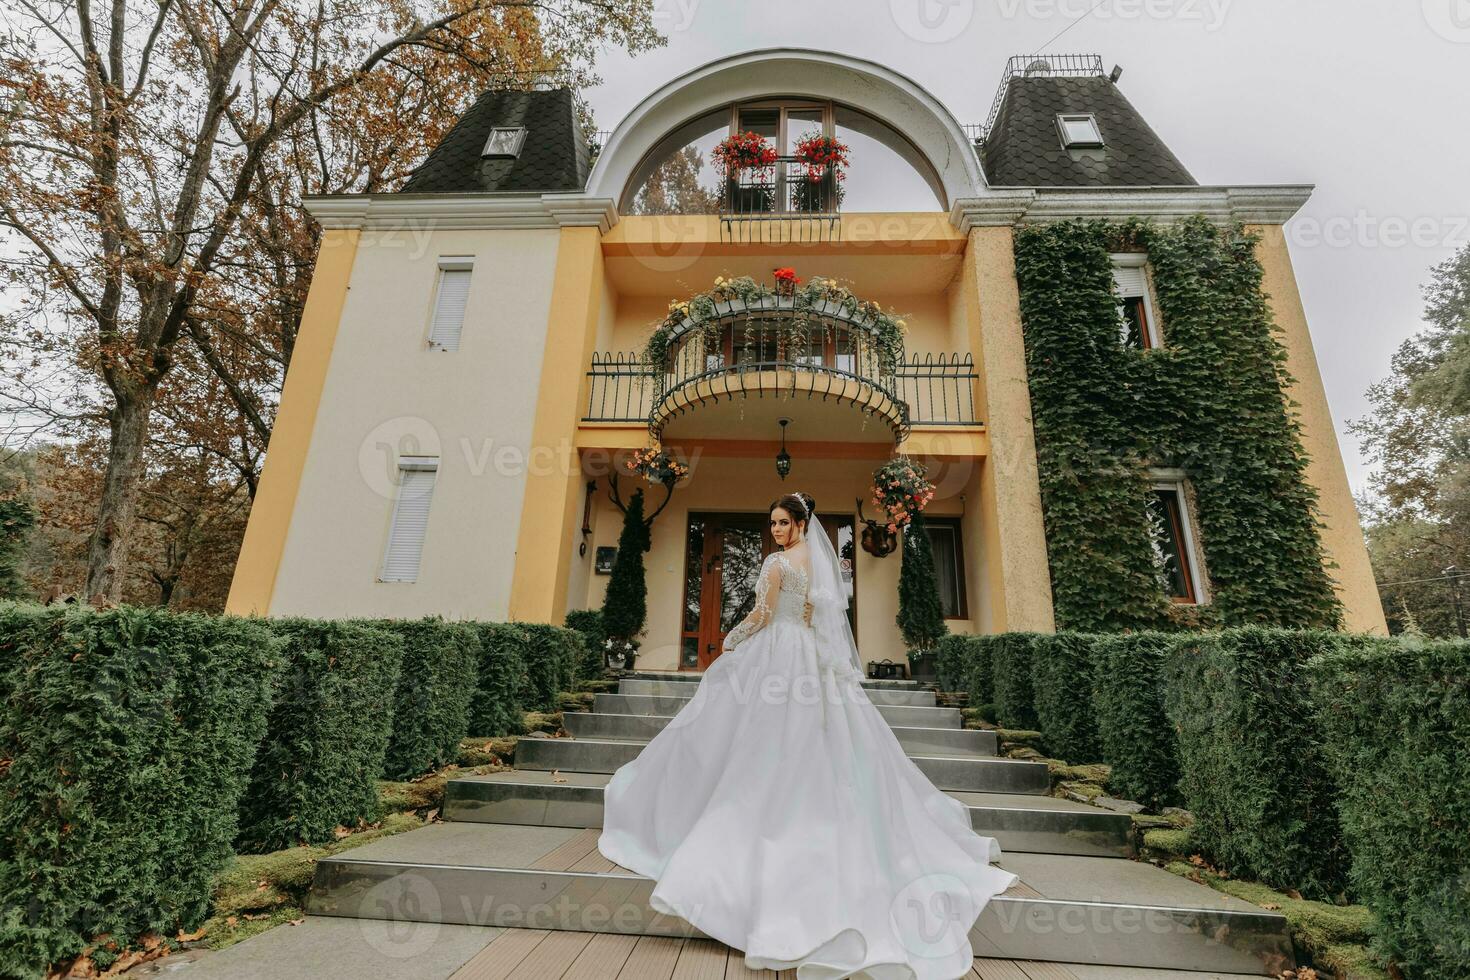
x=1065 y=909
x=686 y=688
x=1032 y=824
x=904 y=715
x=973 y=774
x=695 y=675
x=642 y=728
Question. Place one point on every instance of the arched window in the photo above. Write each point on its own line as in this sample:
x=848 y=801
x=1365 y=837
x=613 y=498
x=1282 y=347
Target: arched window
x=885 y=171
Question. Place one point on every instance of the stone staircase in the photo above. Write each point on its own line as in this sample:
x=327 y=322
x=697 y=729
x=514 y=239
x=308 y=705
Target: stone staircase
x=519 y=850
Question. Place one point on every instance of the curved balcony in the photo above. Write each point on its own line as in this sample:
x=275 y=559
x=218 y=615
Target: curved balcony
x=739 y=367
x=736 y=370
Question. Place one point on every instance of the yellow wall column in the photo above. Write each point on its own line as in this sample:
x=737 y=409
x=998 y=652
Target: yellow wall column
x=554 y=483
x=1342 y=533
x=285 y=459
x=1018 y=576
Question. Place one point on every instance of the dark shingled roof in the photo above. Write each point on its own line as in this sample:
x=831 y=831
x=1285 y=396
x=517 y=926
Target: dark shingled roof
x=553 y=158
x=1024 y=149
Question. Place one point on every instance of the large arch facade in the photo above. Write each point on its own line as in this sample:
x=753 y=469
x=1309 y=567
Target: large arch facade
x=887 y=96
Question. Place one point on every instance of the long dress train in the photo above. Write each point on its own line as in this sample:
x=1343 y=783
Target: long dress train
x=778 y=814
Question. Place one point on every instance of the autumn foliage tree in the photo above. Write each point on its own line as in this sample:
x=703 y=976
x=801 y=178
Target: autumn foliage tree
x=152 y=158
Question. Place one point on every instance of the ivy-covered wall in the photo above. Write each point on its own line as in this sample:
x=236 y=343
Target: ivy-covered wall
x=1209 y=401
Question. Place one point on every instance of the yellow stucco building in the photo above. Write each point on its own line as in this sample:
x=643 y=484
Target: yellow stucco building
x=470 y=366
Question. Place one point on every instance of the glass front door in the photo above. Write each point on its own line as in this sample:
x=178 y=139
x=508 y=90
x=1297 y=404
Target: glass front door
x=723 y=558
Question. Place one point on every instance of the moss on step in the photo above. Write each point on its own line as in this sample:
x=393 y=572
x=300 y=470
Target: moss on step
x=1168 y=844
x=488 y=751
x=1335 y=937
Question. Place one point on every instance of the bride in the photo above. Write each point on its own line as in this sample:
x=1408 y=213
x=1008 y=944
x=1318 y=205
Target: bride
x=777 y=811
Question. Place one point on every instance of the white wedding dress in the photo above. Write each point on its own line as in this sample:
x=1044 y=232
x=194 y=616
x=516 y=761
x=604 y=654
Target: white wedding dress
x=778 y=813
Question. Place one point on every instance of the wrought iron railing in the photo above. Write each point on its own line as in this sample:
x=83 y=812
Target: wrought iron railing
x=783 y=196
x=935 y=389
x=1049 y=65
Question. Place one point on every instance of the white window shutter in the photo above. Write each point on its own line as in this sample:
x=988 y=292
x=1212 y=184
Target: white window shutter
x=1131 y=281
x=410 y=522
x=449 y=307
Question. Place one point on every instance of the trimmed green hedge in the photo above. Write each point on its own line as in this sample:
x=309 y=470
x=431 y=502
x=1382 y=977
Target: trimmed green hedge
x=1138 y=740
x=588 y=622
x=554 y=655
x=962 y=663
x=431 y=709
x=1010 y=659
x=1397 y=726
x=129 y=733
x=327 y=737
x=1062 y=670
x=1253 y=769
x=497 y=707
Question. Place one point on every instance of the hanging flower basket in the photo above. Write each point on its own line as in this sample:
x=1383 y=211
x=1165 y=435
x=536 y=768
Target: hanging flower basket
x=747 y=160
x=823 y=160
x=657 y=467
x=900 y=490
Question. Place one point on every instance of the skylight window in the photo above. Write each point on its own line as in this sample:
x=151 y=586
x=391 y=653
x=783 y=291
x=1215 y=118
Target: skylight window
x=1079 y=131
x=504 y=143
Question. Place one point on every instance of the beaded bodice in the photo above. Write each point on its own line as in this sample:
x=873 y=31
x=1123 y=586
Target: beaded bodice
x=790 y=600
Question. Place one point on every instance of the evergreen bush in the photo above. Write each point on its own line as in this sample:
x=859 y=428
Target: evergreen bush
x=625 y=607
x=1010 y=659
x=1138 y=740
x=504 y=681
x=437 y=680
x=920 y=612
x=129 y=734
x=1253 y=770
x=1063 y=669
x=1397 y=735
x=332 y=713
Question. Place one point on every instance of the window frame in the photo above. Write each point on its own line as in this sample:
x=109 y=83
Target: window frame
x=407 y=464
x=1063 y=118
x=519 y=142
x=1151 y=337
x=956 y=524
x=449 y=263
x=1176 y=483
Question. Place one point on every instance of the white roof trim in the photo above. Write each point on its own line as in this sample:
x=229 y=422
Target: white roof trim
x=1257 y=204
x=394 y=212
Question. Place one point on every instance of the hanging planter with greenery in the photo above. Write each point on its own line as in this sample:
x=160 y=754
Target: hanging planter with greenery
x=823 y=160
x=704 y=315
x=901 y=490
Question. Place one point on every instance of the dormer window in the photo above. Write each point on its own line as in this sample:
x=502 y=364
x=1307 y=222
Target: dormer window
x=504 y=143
x=1079 y=131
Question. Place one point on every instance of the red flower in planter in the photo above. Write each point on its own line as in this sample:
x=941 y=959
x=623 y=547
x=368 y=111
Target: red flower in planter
x=818 y=154
x=744 y=151
x=786 y=276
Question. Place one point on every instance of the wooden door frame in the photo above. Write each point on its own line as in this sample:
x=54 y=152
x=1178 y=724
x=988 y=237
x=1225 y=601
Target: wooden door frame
x=710 y=592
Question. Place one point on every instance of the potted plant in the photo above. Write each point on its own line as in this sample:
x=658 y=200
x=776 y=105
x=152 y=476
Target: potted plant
x=742 y=154
x=818 y=187
x=900 y=490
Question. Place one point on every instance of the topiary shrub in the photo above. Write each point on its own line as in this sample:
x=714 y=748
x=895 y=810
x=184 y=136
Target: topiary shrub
x=503 y=681
x=129 y=735
x=625 y=607
x=1062 y=672
x=431 y=706
x=1010 y=658
x=588 y=622
x=920 y=613
x=553 y=654
x=1396 y=719
x=318 y=766
x=1253 y=769
x=1138 y=740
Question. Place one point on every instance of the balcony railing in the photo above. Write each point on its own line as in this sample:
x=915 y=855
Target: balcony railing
x=781 y=203
x=936 y=389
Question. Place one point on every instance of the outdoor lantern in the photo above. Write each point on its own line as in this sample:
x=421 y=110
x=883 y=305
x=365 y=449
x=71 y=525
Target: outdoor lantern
x=783 y=458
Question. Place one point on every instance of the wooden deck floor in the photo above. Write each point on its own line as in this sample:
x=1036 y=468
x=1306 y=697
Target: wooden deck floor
x=541 y=954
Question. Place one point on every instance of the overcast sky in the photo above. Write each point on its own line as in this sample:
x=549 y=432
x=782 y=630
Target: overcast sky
x=1367 y=99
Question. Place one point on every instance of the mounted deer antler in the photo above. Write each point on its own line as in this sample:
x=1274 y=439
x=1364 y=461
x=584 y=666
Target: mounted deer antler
x=878 y=540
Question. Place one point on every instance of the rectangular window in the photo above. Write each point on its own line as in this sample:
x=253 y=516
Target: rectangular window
x=1138 y=328
x=1173 y=542
x=1079 y=130
x=949 y=565
x=416 y=476
x=449 y=303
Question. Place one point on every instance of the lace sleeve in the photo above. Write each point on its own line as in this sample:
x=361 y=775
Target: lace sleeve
x=766 y=587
